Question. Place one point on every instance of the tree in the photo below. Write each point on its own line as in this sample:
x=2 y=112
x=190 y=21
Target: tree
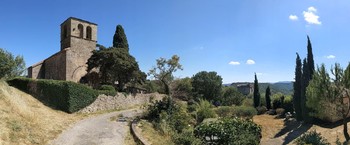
x=310 y=59
x=207 y=85
x=231 y=96
x=268 y=98
x=297 y=89
x=115 y=65
x=119 y=38
x=256 y=93
x=165 y=69
x=182 y=88
x=328 y=97
x=10 y=66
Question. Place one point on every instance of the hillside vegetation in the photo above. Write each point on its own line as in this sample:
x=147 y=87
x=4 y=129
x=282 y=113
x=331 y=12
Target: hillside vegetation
x=25 y=120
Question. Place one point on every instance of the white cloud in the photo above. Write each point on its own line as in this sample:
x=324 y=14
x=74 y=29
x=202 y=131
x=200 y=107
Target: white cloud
x=312 y=9
x=293 y=17
x=234 y=63
x=249 y=61
x=311 y=17
x=330 y=57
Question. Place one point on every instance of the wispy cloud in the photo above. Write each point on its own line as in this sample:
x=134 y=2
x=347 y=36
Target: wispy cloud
x=250 y=62
x=293 y=17
x=330 y=57
x=311 y=17
x=234 y=63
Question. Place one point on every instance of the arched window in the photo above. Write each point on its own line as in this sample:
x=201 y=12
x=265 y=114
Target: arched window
x=65 y=33
x=81 y=30
x=88 y=32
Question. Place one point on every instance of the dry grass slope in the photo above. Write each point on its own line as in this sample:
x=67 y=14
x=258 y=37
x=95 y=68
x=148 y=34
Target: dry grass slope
x=25 y=120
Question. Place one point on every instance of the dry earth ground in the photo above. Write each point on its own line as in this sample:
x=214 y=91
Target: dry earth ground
x=274 y=131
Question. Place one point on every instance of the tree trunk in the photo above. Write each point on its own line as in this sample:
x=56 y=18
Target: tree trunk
x=167 y=90
x=346 y=134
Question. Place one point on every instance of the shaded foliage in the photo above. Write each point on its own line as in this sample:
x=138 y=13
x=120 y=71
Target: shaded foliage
x=207 y=85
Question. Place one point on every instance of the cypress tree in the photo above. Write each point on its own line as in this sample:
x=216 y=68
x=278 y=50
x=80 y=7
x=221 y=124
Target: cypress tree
x=310 y=59
x=268 y=98
x=297 y=89
x=119 y=38
x=256 y=93
x=304 y=84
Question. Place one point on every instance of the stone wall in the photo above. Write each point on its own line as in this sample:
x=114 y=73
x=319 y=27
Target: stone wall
x=55 y=66
x=120 y=101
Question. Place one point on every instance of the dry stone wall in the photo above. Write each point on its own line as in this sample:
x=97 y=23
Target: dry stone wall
x=120 y=101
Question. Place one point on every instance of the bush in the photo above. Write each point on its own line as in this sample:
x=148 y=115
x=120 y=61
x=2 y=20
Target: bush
x=280 y=112
x=311 y=137
x=231 y=96
x=63 y=95
x=204 y=110
x=186 y=138
x=107 y=90
x=261 y=110
x=248 y=102
x=224 y=111
x=229 y=131
x=244 y=111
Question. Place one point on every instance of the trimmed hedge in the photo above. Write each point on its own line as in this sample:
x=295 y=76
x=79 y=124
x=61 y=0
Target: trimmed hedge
x=63 y=95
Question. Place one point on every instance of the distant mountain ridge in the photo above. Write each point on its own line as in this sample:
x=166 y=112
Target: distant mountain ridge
x=284 y=87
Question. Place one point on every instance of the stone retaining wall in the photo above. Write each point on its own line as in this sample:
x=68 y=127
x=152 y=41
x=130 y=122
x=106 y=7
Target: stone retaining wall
x=120 y=101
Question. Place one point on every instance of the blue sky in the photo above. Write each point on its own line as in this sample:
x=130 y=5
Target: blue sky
x=234 y=38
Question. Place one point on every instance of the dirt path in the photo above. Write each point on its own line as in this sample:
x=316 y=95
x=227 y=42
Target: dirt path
x=98 y=130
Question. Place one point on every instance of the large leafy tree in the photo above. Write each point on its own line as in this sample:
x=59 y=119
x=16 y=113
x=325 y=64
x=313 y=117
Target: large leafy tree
x=328 y=97
x=10 y=66
x=119 y=38
x=231 y=96
x=297 y=89
x=256 y=92
x=207 y=85
x=164 y=71
x=115 y=66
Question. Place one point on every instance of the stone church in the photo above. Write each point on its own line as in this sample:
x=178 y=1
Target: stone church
x=78 y=40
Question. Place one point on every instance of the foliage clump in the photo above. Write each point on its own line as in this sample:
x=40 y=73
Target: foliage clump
x=233 y=131
x=313 y=138
x=11 y=66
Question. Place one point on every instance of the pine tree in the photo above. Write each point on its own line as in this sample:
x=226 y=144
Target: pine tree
x=256 y=93
x=268 y=98
x=119 y=38
x=297 y=89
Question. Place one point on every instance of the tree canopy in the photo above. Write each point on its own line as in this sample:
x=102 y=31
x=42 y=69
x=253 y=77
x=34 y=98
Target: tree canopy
x=11 y=66
x=115 y=65
x=119 y=38
x=207 y=85
x=165 y=69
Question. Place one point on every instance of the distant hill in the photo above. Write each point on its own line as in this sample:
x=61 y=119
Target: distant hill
x=285 y=87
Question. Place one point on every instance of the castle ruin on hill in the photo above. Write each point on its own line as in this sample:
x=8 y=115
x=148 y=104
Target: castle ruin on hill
x=78 y=40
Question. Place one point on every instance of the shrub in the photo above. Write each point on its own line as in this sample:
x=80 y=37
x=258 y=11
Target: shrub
x=63 y=95
x=261 y=110
x=107 y=90
x=280 y=112
x=244 y=111
x=312 y=137
x=229 y=131
x=248 y=102
x=231 y=96
x=204 y=110
x=186 y=138
x=225 y=111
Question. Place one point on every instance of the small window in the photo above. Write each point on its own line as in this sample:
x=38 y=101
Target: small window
x=81 y=30
x=88 y=32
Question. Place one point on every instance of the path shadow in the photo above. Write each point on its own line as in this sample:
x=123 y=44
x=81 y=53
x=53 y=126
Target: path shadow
x=293 y=129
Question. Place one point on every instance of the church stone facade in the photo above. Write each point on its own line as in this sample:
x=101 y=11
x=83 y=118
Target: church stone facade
x=78 y=40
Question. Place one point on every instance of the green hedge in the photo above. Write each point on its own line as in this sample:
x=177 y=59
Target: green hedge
x=107 y=90
x=63 y=95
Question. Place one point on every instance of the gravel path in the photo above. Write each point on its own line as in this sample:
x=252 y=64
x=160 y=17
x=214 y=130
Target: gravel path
x=98 y=130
